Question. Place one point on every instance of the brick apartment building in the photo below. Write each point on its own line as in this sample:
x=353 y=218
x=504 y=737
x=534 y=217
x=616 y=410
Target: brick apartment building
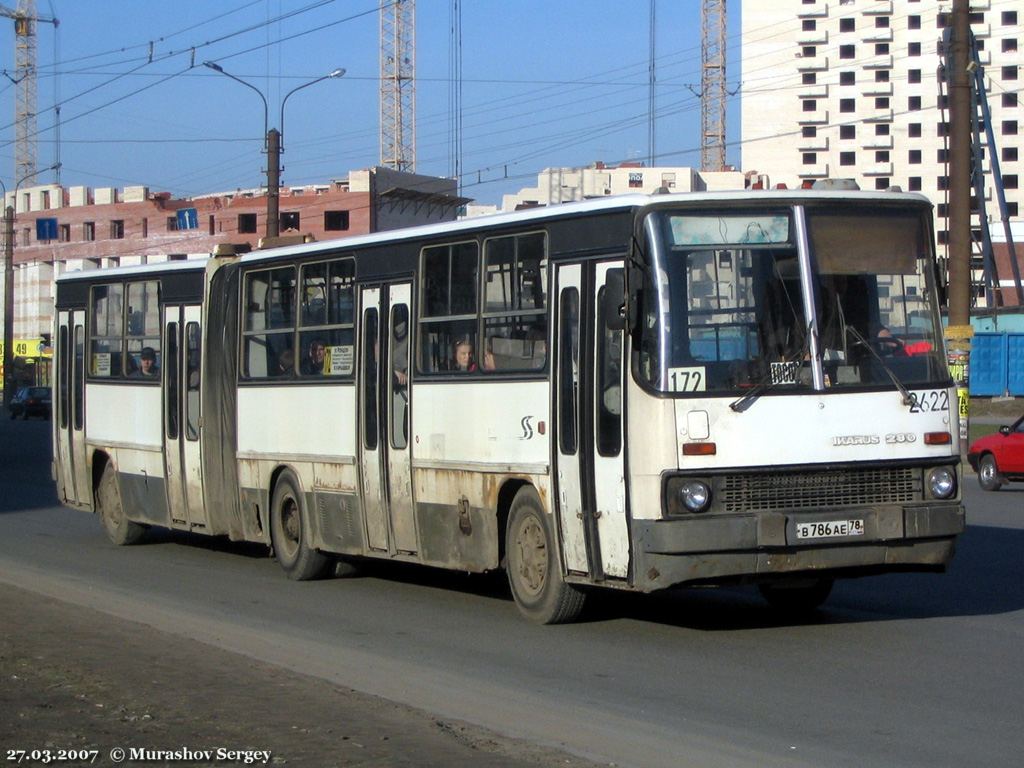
x=57 y=229
x=854 y=89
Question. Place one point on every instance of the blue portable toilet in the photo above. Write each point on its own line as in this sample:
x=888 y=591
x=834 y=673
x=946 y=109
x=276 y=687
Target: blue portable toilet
x=988 y=365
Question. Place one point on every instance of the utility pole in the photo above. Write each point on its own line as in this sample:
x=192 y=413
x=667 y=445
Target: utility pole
x=8 y=300
x=273 y=182
x=961 y=104
x=272 y=142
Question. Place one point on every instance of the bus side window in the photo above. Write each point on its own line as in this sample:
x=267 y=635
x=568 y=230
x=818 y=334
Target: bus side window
x=326 y=343
x=106 y=344
x=63 y=381
x=171 y=401
x=193 y=342
x=448 y=304
x=78 y=379
x=568 y=369
x=609 y=383
x=371 y=353
x=515 y=302
x=399 y=350
x=268 y=329
x=142 y=331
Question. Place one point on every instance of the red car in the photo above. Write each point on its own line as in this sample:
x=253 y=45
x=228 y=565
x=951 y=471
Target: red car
x=999 y=458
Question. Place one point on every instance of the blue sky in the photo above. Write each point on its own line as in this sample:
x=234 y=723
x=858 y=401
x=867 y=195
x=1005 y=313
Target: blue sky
x=545 y=83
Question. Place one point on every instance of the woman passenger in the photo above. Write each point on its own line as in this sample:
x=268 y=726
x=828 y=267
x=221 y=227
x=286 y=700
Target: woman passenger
x=462 y=358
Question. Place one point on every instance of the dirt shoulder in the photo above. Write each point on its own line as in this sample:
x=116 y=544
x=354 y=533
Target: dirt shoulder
x=74 y=678
x=1005 y=408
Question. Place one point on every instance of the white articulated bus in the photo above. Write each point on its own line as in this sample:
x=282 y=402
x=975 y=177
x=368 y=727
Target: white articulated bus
x=636 y=393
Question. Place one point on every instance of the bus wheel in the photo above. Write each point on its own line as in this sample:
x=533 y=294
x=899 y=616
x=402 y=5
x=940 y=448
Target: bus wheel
x=289 y=533
x=120 y=530
x=798 y=596
x=531 y=562
x=988 y=473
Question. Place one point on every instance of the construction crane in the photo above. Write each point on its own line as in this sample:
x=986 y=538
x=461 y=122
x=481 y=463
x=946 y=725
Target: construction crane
x=25 y=20
x=398 y=84
x=712 y=85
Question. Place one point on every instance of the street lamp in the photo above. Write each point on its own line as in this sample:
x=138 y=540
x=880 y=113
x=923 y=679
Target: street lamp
x=218 y=68
x=9 y=282
x=340 y=72
x=272 y=143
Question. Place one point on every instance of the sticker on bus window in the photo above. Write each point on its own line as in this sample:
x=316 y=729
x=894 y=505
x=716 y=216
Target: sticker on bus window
x=101 y=364
x=338 y=360
x=687 y=379
x=785 y=373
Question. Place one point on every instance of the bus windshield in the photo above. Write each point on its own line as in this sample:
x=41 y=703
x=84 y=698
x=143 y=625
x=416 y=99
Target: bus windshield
x=724 y=306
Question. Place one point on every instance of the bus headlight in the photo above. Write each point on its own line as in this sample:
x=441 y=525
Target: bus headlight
x=694 y=495
x=942 y=482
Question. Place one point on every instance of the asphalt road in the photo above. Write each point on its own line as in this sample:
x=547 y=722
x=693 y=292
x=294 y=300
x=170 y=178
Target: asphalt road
x=907 y=670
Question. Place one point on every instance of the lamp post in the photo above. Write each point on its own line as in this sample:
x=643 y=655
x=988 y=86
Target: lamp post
x=273 y=143
x=9 y=283
x=8 y=292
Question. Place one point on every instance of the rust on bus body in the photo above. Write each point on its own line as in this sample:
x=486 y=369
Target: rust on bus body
x=330 y=476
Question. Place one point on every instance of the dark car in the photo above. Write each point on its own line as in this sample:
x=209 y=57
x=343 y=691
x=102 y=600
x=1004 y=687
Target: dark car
x=999 y=458
x=31 y=401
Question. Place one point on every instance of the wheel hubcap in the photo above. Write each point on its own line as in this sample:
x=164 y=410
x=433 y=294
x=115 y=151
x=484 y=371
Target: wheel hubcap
x=533 y=556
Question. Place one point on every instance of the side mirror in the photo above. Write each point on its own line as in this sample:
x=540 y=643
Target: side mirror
x=1004 y=431
x=614 y=299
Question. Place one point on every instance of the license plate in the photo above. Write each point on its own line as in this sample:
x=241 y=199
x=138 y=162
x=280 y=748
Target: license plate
x=829 y=529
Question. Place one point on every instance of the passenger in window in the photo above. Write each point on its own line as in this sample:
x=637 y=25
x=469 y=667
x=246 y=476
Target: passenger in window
x=489 y=363
x=313 y=365
x=400 y=353
x=147 y=364
x=285 y=362
x=888 y=345
x=463 y=356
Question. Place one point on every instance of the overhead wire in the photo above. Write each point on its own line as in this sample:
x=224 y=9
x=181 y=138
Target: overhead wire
x=193 y=49
x=559 y=139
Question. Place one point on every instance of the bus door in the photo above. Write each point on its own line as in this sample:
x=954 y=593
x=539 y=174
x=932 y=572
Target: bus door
x=568 y=469
x=588 y=400
x=69 y=415
x=182 y=355
x=385 y=453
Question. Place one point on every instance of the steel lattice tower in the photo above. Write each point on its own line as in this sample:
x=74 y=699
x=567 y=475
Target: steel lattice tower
x=25 y=100
x=712 y=85
x=398 y=84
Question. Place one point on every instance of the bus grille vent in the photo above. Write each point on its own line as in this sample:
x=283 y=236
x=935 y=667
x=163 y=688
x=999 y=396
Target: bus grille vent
x=818 y=490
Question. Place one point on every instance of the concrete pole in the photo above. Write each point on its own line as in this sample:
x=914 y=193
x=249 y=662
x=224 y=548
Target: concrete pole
x=961 y=102
x=959 y=170
x=273 y=182
x=8 y=303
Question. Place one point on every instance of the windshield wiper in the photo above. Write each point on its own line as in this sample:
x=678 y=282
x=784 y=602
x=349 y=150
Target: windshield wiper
x=742 y=403
x=909 y=398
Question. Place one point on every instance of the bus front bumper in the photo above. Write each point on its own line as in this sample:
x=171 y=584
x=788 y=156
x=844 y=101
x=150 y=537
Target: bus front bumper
x=750 y=547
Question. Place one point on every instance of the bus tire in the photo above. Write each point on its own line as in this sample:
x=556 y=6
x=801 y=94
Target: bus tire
x=988 y=473
x=797 y=597
x=289 y=533
x=532 y=565
x=119 y=529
